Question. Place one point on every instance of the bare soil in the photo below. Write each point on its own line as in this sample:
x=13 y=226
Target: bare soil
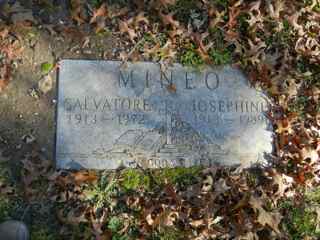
x=24 y=109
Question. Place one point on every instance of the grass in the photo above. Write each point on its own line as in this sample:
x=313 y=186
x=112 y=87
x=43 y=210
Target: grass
x=218 y=36
x=95 y=3
x=42 y=233
x=7 y=205
x=47 y=6
x=283 y=38
x=313 y=195
x=102 y=193
x=133 y=179
x=189 y=57
x=15 y=207
x=298 y=105
x=310 y=2
x=168 y=233
x=220 y=53
x=183 y=10
x=115 y=225
x=221 y=3
x=243 y=25
x=182 y=177
x=301 y=220
x=220 y=57
x=190 y=12
x=310 y=71
x=46 y=67
x=5 y=208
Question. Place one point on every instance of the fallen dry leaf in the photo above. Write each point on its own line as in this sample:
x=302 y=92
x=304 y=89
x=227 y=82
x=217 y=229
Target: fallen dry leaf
x=4 y=33
x=271 y=219
x=141 y=17
x=45 y=84
x=5 y=74
x=168 y=20
x=84 y=177
x=124 y=28
x=171 y=88
x=102 y=11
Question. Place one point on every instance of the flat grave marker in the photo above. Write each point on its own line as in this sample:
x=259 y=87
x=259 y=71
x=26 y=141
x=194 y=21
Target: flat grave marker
x=111 y=115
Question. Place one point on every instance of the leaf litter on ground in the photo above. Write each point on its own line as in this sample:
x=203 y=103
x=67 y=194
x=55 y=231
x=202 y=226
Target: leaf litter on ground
x=268 y=40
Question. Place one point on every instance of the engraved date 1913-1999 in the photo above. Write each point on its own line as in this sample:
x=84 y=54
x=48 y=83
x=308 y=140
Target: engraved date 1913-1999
x=120 y=118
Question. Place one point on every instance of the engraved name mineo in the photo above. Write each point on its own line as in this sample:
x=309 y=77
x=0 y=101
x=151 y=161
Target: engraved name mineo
x=210 y=79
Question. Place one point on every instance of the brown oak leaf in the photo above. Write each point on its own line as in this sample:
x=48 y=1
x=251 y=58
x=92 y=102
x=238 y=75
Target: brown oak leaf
x=124 y=28
x=102 y=11
x=5 y=74
x=265 y=218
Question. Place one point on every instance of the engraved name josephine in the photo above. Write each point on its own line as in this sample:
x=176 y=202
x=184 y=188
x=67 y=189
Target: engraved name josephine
x=130 y=110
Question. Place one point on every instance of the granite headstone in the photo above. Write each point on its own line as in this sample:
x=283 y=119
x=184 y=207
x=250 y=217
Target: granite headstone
x=111 y=114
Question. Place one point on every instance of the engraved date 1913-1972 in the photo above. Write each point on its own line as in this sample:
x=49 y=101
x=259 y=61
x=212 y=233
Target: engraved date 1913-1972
x=120 y=118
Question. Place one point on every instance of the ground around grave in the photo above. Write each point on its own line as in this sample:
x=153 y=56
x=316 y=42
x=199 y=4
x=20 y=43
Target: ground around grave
x=275 y=42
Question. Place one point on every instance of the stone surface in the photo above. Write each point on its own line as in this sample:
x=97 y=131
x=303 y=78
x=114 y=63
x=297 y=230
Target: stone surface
x=112 y=115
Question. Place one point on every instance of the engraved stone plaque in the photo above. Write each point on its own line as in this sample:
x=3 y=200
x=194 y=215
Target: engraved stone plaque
x=111 y=114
